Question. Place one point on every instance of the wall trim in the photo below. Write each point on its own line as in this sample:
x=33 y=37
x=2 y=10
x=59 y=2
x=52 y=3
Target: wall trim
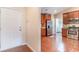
x=20 y=45
x=11 y=47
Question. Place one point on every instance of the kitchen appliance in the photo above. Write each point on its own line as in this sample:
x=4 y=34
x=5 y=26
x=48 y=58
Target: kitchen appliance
x=49 y=28
x=73 y=33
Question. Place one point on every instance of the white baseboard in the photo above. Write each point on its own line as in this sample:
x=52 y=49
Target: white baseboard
x=11 y=47
x=19 y=45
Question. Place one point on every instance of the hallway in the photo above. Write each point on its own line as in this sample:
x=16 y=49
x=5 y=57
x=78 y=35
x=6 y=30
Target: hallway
x=62 y=44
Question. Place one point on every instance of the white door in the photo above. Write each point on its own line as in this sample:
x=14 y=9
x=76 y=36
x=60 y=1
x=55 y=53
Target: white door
x=10 y=28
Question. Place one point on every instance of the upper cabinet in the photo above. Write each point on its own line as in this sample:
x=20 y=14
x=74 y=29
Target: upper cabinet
x=71 y=17
x=76 y=14
x=43 y=19
x=65 y=18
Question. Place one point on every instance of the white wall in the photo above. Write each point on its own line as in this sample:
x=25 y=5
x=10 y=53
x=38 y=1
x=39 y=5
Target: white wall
x=30 y=19
x=53 y=23
x=33 y=28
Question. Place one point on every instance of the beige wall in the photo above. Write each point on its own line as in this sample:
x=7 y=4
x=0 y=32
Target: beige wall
x=32 y=25
x=53 y=23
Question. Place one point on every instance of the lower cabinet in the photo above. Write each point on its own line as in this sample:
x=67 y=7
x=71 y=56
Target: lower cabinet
x=64 y=32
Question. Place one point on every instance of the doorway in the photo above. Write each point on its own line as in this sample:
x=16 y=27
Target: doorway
x=59 y=24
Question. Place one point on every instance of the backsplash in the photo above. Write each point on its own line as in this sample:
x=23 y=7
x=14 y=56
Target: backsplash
x=70 y=25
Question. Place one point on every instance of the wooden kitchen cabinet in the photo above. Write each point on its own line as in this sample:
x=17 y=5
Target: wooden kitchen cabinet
x=76 y=14
x=44 y=18
x=70 y=18
x=43 y=24
x=71 y=15
x=65 y=18
x=64 y=32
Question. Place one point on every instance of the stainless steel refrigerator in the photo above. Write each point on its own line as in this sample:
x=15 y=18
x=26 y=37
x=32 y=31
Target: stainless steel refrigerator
x=49 y=28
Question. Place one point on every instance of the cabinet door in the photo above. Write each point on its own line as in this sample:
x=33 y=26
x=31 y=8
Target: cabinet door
x=71 y=15
x=43 y=24
x=64 y=32
x=65 y=18
x=76 y=14
x=42 y=19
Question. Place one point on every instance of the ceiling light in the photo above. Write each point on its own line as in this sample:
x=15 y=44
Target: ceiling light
x=55 y=11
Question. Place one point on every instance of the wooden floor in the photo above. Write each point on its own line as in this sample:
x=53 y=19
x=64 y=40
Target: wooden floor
x=23 y=48
x=57 y=43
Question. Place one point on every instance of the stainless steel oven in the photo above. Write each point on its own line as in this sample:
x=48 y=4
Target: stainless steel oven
x=73 y=33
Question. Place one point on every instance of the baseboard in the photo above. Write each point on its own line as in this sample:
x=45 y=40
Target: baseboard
x=20 y=45
x=11 y=47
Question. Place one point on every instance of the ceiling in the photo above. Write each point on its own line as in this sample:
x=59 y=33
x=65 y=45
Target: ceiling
x=53 y=10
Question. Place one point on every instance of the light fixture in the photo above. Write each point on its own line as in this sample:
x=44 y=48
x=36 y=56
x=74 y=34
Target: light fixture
x=55 y=11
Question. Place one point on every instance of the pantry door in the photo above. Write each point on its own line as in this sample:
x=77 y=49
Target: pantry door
x=10 y=28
